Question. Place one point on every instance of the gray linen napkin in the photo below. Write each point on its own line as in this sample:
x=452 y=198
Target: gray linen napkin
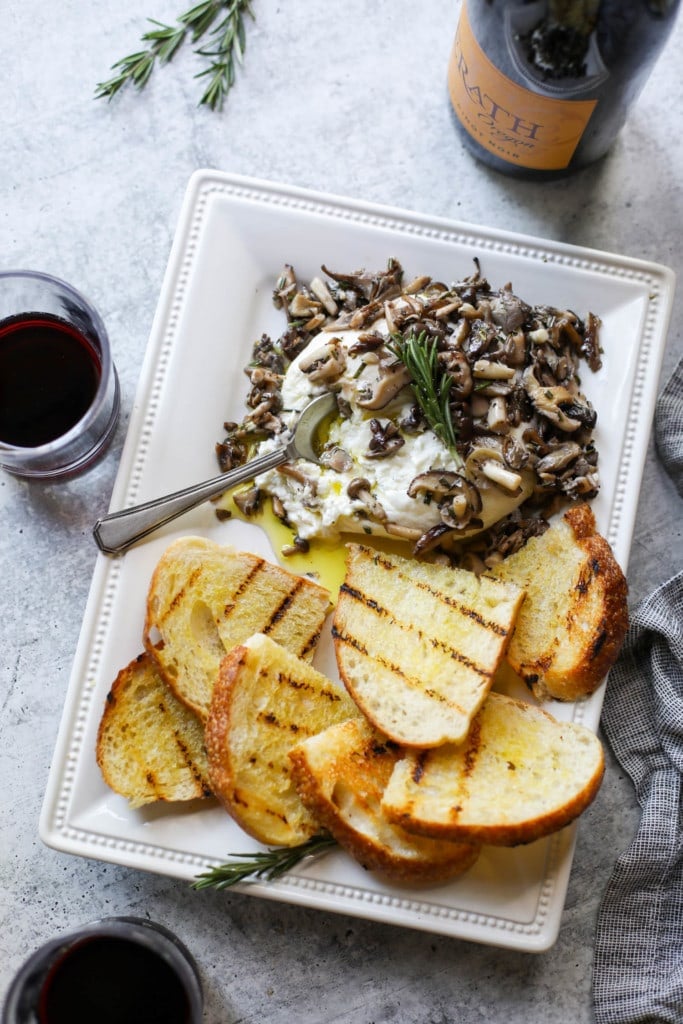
x=638 y=964
x=669 y=426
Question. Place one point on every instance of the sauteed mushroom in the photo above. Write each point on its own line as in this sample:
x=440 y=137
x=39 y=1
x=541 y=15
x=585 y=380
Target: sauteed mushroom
x=504 y=376
x=392 y=380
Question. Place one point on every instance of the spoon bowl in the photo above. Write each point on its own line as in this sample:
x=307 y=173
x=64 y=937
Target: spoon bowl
x=116 y=532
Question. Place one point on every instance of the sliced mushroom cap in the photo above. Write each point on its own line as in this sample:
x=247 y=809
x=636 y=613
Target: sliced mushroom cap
x=462 y=505
x=515 y=452
x=591 y=345
x=508 y=311
x=435 y=482
x=231 y=453
x=325 y=364
x=371 y=285
x=249 y=501
x=299 y=546
x=559 y=458
x=456 y=497
x=431 y=539
x=391 y=381
x=486 y=464
x=548 y=401
x=454 y=362
x=385 y=439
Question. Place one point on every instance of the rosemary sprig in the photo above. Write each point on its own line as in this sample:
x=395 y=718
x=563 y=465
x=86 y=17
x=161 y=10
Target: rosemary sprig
x=268 y=864
x=431 y=385
x=225 y=49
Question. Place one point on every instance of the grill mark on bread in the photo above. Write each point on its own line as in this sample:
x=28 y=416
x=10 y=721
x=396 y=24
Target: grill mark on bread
x=232 y=600
x=473 y=748
x=269 y=718
x=407 y=627
x=283 y=607
x=419 y=767
x=246 y=582
x=180 y=594
x=444 y=598
x=310 y=645
x=268 y=811
x=599 y=642
x=297 y=684
x=411 y=682
x=279 y=615
x=190 y=763
x=279 y=817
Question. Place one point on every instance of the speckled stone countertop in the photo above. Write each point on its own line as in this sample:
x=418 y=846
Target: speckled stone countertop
x=350 y=100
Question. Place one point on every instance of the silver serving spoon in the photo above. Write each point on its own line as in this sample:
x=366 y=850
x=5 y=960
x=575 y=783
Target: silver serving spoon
x=117 y=531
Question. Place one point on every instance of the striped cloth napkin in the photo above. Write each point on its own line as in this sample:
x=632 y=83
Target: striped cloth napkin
x=638 y=963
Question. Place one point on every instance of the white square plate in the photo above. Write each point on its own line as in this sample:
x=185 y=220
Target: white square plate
x=234 y=236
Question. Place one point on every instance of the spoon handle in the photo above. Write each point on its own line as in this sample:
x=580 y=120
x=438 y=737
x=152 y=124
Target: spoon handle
x=118 y=530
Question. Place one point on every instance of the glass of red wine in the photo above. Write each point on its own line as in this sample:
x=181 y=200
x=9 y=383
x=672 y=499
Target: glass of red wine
x=59 y=392
x=119 y=970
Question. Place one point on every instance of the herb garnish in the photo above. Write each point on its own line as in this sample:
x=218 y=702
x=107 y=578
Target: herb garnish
x=225 y=49
x=268 y=864
x=431 y=385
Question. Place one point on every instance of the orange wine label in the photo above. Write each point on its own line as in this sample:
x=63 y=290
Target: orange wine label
x=511 y=122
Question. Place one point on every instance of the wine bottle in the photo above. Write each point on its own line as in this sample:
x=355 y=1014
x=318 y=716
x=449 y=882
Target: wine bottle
x=541 y=88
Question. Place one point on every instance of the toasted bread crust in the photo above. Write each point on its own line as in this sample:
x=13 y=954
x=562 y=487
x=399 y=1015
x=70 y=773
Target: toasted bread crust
x=574 y=619
x=150 y=747
x=340 y=775
x=204 y=598
x=265 y=700
x=521 y=775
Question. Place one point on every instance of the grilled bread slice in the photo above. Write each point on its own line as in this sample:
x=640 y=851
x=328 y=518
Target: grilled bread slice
x=519 y=775
x=204 y=598
x=150 y=746
x=340 y=775
x=266 y=700
x=417 y=644
x=573 y=621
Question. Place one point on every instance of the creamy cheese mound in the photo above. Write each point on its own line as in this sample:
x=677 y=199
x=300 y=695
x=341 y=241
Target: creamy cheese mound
x=316 y=499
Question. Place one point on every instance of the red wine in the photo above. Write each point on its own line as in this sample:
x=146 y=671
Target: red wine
x=541 y=88
x=110 y=980
x=49 y=375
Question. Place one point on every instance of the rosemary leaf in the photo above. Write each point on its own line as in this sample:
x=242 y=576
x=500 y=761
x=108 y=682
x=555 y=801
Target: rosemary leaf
x=166 y=39
x=225 y=49
x=431 y=386
x=268 y=864
x=201 y=17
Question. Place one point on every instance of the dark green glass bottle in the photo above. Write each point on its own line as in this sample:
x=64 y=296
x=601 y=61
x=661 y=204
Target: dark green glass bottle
x=541 y=88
